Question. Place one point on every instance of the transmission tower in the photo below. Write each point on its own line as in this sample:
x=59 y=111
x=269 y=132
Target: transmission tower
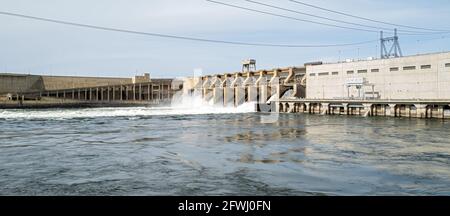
x=394 y=51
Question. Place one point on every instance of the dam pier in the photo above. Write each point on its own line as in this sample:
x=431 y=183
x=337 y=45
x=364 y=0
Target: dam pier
x=235 y=89
x=391 y=108
x=155 y=92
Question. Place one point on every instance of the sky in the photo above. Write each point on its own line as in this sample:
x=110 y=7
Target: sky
x=36 y=47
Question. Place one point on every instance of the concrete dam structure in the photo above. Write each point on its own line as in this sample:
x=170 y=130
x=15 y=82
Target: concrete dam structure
x=412 y=86
x=21 y=83
x=34 y=91
x=261 y=87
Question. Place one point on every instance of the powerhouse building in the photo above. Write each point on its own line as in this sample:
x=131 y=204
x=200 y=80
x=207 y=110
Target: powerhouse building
x=419 y=77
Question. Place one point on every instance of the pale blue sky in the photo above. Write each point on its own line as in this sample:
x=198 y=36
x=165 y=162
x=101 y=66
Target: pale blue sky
x=45 y=48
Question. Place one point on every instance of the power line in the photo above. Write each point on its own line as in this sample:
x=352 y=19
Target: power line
x=176 y=36
x=367 y=19
x=304 y=20
x=327 y=18
x=431 y=39
x=289 y=17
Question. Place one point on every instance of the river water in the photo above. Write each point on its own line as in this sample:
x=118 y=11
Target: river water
x=212 y=151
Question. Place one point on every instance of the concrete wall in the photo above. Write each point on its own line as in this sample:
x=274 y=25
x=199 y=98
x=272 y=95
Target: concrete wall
x=67 y=82
x=418 y=77
x=14 y=83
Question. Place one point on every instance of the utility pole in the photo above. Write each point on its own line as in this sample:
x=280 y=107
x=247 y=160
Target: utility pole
x=395 y=50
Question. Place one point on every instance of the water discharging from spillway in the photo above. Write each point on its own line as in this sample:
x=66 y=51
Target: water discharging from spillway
x=182 y=104
x=195 y=104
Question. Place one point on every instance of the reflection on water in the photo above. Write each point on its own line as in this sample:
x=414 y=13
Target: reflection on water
x=283 y=133
x=130 y=151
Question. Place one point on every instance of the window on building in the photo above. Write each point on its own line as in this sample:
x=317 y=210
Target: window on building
x=362 y=71
x=394 y=69
x=324 y=74
x=447 y=65
x=409 y=68
x=335 y=73
x=312 y=74
x=375 y=70
x=350 y=72
x=425 y=67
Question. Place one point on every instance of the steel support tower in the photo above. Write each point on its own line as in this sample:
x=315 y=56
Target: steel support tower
x=395 y=50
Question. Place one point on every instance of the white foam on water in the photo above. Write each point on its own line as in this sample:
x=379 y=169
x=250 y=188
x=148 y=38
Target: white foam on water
x=181 y=105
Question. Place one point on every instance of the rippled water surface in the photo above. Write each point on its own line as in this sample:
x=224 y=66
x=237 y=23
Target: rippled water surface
x=143 y=151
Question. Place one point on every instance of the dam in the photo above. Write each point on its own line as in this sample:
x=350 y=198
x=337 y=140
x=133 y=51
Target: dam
x=413 y=86
x=34 y=91
x=115 y=138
